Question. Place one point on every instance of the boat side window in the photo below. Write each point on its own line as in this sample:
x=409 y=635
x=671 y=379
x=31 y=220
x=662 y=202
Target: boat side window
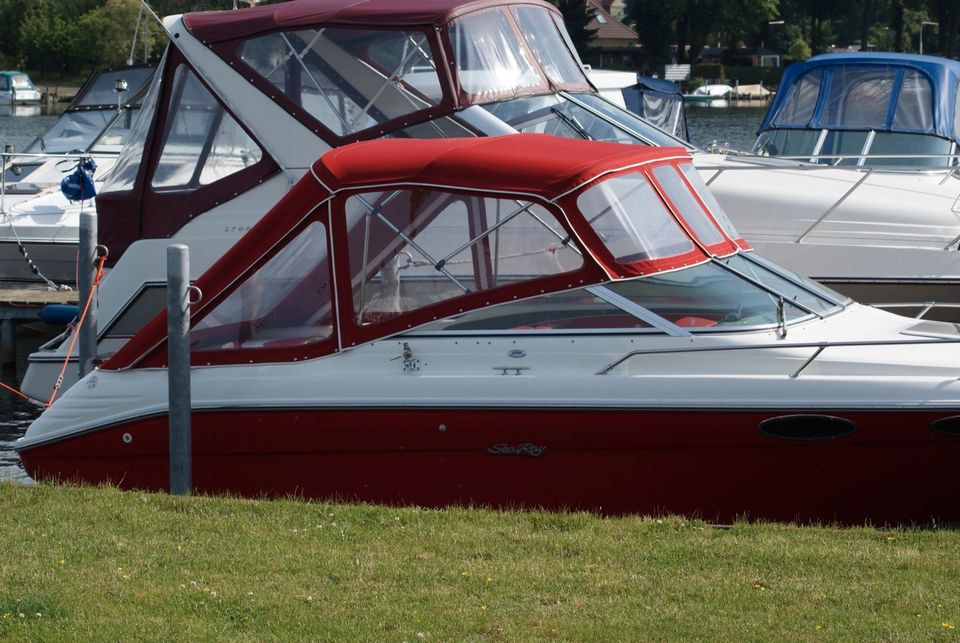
x=285 y=303
x=697 y=183
x=915 y=103
x=123 y=175
x=348 y=79
x=679 y=194
x=631 y=220
x=201 y=142
x=490 y=59
x=798 y=108
x=151 y=299
x=412 y=248
x=4 y=83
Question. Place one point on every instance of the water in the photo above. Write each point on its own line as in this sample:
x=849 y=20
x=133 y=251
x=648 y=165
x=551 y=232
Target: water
x=730 y=126
x=16 y=413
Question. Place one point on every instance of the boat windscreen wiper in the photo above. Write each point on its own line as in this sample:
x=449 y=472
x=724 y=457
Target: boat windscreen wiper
x=572 y=123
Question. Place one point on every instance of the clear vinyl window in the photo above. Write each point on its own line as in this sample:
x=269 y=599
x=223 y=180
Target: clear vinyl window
x=349 y=79
x=285 y=303
x=202 y=143
x=490 y=59
x=631 y=219
x=412 y=248
x=679 y=194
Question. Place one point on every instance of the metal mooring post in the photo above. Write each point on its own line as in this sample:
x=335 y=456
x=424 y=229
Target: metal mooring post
x=178 y=371
x=87 y=349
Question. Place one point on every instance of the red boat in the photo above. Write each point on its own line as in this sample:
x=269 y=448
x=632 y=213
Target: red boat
x=526 y=321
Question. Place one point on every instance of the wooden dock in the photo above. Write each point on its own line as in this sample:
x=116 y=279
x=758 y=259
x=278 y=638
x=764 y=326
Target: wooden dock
x=19 y=305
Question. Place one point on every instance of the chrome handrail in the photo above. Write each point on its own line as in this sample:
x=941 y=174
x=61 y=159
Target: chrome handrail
x=819 y=346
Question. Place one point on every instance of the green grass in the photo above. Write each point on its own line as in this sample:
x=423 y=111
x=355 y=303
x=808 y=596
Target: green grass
x=98 y=564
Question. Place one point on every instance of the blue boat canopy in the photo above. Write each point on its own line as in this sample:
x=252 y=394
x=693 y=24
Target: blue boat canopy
x=660 y=102
x=869 y=91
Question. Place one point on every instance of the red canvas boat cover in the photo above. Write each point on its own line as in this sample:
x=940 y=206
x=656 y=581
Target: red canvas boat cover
x=531 y=163
x=215 y=26
x=523 y=167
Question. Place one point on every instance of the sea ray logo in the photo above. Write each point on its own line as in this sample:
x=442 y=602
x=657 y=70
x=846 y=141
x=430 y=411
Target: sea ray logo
x=526 y=448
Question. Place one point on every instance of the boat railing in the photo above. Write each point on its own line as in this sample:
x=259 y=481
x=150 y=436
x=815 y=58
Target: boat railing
x=818 y=348
x=804 y=164
x=924 y=306
x=909 y=162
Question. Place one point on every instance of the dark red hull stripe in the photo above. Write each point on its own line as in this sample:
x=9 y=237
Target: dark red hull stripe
x=716 y=465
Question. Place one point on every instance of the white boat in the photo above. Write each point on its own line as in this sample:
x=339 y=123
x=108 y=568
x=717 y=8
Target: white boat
x=714 y=95
x=36 y=220
x=864 y=195
x=16 y=88
x=526 y=321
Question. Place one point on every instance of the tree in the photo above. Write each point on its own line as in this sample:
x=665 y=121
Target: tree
x=45 y=37
x=577 y=14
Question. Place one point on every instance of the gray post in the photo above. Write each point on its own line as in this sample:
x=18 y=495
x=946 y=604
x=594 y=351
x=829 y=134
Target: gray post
x=87 y=349
x=178 y=371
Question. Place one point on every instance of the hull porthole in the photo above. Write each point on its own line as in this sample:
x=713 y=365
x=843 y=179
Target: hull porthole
x=947 y=426
x=807 y=427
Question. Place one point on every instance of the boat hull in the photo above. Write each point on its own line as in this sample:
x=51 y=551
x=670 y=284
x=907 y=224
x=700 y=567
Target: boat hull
x=852 y=467
x=56 y=261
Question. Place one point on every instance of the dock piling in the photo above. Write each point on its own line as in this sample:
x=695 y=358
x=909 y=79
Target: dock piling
x=178 y=369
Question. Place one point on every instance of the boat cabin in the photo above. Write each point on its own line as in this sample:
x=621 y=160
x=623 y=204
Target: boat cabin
x=866 y=109
x=501 y=233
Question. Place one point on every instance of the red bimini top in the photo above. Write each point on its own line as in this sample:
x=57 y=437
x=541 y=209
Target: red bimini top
x=215 y=26
x=390 y=234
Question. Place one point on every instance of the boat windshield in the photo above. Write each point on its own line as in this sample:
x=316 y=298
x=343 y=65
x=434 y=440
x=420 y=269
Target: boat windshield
x=21 y=81
x=579 y=115
x=122 y=176
x=860 y=148
x=93 y=122
x=73 y=131
x=734 y=293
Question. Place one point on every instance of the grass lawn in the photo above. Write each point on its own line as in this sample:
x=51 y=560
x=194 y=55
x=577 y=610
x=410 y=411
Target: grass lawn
x=96 y=564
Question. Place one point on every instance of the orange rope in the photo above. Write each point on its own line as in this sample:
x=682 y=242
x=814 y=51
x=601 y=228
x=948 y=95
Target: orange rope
x=13 y=390
x=76 y=332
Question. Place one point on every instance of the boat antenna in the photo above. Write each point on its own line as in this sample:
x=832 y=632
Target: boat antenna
x=144 y=6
